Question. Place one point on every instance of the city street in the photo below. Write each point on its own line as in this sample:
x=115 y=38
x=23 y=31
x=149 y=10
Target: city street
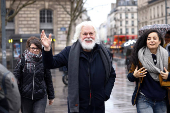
x=120 y=99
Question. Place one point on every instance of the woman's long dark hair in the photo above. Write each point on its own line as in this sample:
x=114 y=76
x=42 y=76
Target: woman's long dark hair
x=141 y=42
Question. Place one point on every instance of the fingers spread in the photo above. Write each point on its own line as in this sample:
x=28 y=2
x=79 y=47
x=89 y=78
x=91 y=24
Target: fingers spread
x=50 y=36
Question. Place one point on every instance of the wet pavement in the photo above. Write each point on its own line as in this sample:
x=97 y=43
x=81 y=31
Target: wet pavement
x=120 y=99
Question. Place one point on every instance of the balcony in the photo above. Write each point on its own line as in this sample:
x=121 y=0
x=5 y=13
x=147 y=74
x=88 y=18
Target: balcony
x=152 y=1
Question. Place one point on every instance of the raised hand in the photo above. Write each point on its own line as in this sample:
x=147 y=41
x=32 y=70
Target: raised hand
x=164 y=75
x=46 y=42
x=140 y=73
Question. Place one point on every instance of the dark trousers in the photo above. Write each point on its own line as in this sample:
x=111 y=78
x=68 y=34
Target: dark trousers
x=89 y=109
x=33 y=106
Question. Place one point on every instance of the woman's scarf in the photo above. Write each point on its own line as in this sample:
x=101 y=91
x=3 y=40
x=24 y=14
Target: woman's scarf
x=31 y=59
x=145 y=57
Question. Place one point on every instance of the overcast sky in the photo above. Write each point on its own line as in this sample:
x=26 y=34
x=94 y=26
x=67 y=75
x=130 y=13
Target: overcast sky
x=101 y=8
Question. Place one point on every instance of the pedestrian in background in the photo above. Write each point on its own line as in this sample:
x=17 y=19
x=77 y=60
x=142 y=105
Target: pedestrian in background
x=150 y=60
x=167 y=37
x=91 y=76
x=167 y=42
x=10 y=99
x=35 y=82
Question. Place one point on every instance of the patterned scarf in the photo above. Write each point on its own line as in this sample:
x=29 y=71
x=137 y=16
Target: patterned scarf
x=31 y=59
x=145 y=57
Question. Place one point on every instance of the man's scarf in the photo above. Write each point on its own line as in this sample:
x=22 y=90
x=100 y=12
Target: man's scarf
x=73 y=73
x=145 y=57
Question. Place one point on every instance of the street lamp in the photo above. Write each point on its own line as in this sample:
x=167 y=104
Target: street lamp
x=21 y=45
x=11 y=41
x=3 y=14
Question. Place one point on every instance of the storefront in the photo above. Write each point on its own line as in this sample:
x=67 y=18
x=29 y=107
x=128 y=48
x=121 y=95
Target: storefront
x=17 y=44
x=116 y=47
x=120 y=39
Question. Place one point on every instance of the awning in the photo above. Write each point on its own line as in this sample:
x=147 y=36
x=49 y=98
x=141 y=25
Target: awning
x=125 y=36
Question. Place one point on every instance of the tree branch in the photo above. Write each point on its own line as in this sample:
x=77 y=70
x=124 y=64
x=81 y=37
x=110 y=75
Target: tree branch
x=77 y=7
x=10 y=8
x=79 y=14
x=18 y=5
x=29 y=2
x=65 y=9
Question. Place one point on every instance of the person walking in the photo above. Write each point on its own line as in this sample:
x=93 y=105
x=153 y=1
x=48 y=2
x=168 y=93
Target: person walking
x=150 y=60
x=91 y=76
x=10 y=99
x=35 y=82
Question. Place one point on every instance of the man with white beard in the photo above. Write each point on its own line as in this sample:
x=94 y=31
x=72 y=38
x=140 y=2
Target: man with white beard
x=90 y=71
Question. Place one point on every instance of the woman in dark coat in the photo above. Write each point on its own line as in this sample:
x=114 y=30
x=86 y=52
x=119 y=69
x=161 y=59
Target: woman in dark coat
x=150 y=62
x=35 y=82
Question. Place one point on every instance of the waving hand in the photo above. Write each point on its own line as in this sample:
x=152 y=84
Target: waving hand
x=46 y=42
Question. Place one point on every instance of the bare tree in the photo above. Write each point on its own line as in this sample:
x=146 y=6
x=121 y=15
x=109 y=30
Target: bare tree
x=77 y=8
x=20 y=4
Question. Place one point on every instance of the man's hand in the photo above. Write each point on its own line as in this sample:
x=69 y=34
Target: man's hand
x=51 y=102
x=46 y=42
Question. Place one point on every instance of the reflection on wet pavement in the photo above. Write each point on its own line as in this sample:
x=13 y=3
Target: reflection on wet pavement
x=120 y=99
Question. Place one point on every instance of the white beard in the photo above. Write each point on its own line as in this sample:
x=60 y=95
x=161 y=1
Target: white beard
x=88 y=46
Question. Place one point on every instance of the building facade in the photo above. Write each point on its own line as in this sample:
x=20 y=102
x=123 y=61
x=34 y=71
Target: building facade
x=103 y=32
x=111 y=22
x=153 y=12
x=124 y=25
x=45 y=15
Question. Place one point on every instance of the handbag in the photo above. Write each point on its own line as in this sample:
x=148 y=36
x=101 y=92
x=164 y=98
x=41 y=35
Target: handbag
x=165 y=84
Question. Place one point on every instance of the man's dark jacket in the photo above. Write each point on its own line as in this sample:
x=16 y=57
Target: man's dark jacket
x=91 y=76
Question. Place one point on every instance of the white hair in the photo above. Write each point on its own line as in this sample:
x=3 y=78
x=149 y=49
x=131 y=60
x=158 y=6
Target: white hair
x=85 y=23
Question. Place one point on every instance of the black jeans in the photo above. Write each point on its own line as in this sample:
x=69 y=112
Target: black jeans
x=33 y=106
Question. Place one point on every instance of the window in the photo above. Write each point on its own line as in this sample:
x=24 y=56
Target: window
x=126 y=22
x=120 y=23
x=46 y=21
x=162 y=10
x=154 y=12
x=9 y=14
x=150 y=13
x=133 y=31
x=126 y=16
x=158 y=11
x=46 y=16
x=127 y=31
x=120 y=16
x=132 y=23
x=120 y=31
x=132 y=16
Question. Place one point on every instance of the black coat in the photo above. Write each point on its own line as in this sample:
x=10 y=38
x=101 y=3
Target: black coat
x=35 y=84
x=91 y=76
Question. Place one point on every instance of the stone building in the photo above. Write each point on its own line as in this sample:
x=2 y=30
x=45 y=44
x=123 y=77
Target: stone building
x=153 y=12
x=111 y=22
x=123 y=22
x=45 y=15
